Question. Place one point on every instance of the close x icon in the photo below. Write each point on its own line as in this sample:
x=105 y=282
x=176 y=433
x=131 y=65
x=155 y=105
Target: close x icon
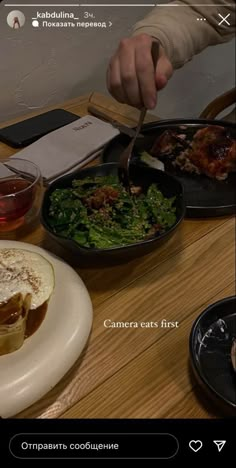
x=224 y=19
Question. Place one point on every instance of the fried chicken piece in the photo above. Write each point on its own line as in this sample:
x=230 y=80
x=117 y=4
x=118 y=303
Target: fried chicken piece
x=213 y=152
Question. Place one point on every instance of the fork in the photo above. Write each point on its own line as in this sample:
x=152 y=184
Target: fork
x=125 y=157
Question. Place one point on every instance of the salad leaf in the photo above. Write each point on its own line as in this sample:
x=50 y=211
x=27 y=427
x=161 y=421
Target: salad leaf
x=97 y=212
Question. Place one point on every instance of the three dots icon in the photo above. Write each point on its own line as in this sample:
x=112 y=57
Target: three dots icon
x=201 y=19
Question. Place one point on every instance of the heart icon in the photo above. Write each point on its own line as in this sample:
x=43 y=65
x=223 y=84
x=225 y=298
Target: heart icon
x=195 y=445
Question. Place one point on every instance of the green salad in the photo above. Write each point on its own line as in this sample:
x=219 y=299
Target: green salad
x=98 y=212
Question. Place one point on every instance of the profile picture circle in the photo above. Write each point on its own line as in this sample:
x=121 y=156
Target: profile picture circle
x=16 y=19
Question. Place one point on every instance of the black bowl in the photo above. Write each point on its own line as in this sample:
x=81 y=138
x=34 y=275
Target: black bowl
x=144 y=177
x=204 y=197
x=210 y=344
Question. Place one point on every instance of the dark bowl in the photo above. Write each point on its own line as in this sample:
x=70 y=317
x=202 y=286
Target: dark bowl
x=210 y=343
x=204 y=197
x=144 y=177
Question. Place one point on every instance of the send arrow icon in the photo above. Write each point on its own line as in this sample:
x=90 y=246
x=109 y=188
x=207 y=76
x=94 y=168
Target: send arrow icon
x=219 y=444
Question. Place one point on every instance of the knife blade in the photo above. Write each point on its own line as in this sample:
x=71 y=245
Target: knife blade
x=106 y=118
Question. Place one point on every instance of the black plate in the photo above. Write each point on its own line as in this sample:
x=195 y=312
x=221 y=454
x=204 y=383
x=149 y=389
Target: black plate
x=210 y=351
x=204 y=197
x=144 y=177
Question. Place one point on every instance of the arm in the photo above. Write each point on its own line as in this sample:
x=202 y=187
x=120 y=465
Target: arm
x=131 y=76
x=179 y=32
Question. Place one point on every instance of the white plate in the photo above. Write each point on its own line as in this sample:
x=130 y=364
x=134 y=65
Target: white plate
x=27 y=374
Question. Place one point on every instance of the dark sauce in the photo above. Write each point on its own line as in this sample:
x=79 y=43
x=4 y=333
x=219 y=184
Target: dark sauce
x=11 y=313
x=35 y=319
x=8 y=316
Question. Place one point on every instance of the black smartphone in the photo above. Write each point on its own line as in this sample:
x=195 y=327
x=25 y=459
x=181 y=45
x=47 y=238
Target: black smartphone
x=26 y=132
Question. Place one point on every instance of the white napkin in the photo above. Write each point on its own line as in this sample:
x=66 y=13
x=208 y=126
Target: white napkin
x=69 y=147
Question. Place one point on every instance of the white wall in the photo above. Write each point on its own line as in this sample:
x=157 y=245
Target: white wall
x=39 y=67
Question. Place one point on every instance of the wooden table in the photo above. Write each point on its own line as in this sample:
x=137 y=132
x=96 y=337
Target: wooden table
x=143 y=372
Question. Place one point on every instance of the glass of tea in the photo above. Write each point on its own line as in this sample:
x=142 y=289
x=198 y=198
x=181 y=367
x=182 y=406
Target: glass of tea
x=20 y=193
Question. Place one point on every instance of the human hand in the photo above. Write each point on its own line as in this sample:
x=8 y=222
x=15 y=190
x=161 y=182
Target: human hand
x=131 y=77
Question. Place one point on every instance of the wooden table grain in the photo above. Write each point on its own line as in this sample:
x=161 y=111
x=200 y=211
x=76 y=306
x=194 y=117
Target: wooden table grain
x=141 y=372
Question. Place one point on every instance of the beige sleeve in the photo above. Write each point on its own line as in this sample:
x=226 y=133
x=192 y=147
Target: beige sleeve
x=181 y=34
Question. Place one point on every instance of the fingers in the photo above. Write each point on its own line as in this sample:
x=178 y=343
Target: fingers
x=128 y=75
x=114 y=84
x=122 y=79
x=131 y=77
x=164 y=71
x=145 y=71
